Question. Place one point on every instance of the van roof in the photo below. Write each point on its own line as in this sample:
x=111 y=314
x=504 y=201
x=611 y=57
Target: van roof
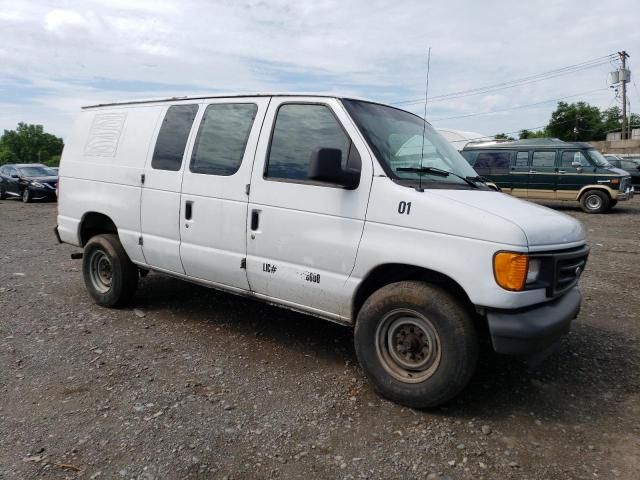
x=526 y=143
x=231 y=95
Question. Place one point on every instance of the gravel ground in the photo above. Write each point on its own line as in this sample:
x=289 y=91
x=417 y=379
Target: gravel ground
x=192 y=383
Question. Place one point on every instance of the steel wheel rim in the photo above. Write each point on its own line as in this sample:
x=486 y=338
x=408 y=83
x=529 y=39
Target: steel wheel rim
x=101 y=271
x=594 y=202
x=408 y=346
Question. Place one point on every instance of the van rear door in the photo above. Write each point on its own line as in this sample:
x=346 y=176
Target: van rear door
x=160 y=202
x=543 y=175
x=520 y=173
x=215 y=187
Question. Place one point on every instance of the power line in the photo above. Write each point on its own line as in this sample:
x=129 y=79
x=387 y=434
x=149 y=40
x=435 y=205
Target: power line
x=517 y=106
x=596 y=62
x=501 y=87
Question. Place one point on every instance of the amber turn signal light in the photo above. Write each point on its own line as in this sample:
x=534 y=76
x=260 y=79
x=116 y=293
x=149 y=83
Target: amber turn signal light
x=510 y=270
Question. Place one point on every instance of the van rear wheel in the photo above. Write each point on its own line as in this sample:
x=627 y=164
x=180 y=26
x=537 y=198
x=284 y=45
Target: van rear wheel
x=416 y=343
x=109 y=275
x=595 y=201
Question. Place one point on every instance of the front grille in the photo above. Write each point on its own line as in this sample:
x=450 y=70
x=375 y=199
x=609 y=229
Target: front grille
x=624 y=184
x=567 y=273
x=560 y=270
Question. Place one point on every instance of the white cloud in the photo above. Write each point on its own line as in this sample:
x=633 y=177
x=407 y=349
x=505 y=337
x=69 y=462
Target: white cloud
x=60 y=20
x=96 y=50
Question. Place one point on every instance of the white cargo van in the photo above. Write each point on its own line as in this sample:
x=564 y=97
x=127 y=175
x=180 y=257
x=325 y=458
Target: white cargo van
x=349 y=210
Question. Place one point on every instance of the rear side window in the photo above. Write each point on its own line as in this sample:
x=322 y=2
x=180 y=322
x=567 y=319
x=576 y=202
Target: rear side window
x=543 y=159
x=522 y=159
x=222 y=138
x=488 y=163
x=172 y=138
x=299 y=130
x=569 y=157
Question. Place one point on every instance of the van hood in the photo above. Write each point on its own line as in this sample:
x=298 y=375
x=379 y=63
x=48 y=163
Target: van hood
x=618 y=171
x=542 y=226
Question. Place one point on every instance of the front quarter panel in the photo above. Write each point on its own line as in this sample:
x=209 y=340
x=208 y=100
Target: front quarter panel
x=442 y=235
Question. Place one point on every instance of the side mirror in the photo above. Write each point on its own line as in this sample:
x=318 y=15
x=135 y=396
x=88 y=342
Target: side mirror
x=576 y=164
x=15 y=175
x=325 y=165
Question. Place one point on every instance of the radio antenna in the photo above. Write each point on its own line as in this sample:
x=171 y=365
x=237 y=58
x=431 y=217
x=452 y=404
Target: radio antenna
x=424 y=118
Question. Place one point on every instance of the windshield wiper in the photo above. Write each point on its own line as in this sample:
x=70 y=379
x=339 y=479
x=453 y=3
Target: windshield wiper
x=478 y=178
x=439 y=172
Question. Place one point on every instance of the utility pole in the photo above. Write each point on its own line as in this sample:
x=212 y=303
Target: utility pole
x=624 y=78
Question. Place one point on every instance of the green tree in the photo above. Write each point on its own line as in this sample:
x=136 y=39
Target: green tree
x=29 y=144
x=503 y=136
x=524 y=133
x=576 y=122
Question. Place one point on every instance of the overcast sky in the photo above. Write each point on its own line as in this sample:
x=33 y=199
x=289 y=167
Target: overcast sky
x=56 y=56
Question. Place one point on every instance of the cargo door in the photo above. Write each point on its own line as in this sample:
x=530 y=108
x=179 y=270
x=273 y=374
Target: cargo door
x=160 y=199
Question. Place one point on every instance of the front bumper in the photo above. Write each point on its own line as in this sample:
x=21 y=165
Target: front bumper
x=533 y=329
x=39 y=193
x=627 y=194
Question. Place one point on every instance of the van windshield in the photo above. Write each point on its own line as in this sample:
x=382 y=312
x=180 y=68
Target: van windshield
x=35 y=172
x=396 y=138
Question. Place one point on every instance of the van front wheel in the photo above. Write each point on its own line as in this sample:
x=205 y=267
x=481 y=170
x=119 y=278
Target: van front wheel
x=416 y=343
x=109 y=275
x=594 y=201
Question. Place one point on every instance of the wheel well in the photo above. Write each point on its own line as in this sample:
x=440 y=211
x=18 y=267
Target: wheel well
x=396 y=272
x=599 y=189
x=94 y=223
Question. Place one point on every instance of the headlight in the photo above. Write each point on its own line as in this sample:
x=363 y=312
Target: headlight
x=534 y=270
x=513 y=271
x=510 y=270
x=36 y=184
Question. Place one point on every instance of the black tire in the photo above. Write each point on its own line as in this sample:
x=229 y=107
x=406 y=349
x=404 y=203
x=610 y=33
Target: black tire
x=594 y=201
x=450 y=349
x=613 y=204
x=3 y=195
x=109 y=275
x=26 y=196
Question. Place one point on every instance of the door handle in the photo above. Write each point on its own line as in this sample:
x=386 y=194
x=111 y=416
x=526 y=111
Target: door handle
x=255 y=220
x=562 y=171
x=188 y=210
x=532 y=171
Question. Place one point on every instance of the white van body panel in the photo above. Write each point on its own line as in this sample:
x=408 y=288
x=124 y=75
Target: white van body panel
x=542 y=227
x=457 y=233
x=306 y=229
x=103 y=160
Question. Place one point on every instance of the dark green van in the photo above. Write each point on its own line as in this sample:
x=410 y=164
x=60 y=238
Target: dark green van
x=550 y=169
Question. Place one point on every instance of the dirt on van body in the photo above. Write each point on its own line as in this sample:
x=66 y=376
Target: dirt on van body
x=193 y=383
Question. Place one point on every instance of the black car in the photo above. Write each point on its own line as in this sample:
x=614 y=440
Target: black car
x=630 y=164
x=29 y=181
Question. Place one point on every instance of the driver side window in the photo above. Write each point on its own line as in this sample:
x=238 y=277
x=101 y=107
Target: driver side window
x=299 y=131
x=570 y=156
